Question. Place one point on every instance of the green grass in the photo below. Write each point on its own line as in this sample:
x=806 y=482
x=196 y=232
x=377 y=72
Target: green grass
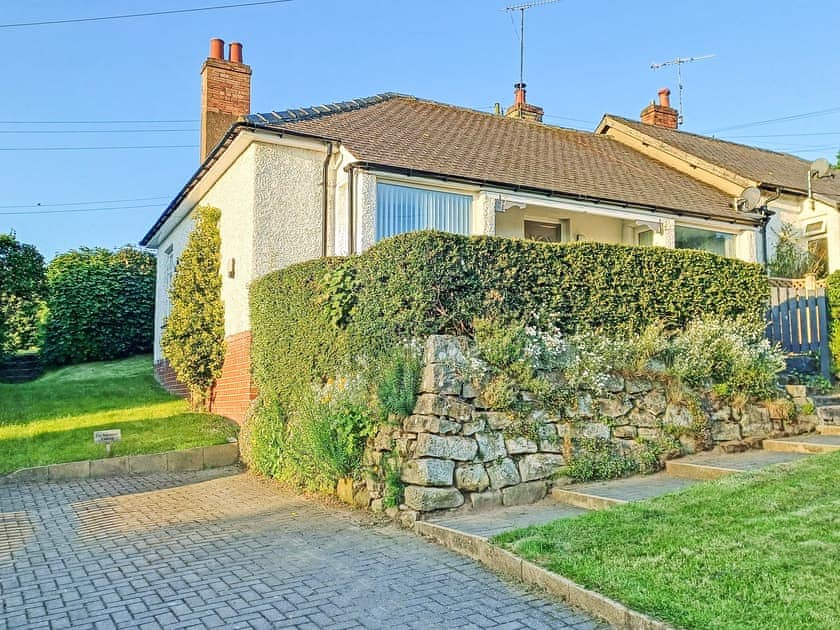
x=52 y=419
x=760 y=550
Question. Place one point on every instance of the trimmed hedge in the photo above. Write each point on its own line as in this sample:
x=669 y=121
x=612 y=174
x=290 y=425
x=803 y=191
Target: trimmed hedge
x=424 y=283
x=101 y=305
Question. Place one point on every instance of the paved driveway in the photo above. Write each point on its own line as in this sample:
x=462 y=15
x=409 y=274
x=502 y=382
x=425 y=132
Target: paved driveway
x=221 y=548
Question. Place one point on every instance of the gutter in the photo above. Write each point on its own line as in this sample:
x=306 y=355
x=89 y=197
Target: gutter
x=213 y=157
x=325 y=204
x=749 y=219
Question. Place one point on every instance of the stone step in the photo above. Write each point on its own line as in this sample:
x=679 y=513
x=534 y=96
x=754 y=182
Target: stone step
x=812 y=443
x=705 y=466
x=830 y=413
x=826 y=400
x=829 y=429
x=490 y=522
x=598 y=495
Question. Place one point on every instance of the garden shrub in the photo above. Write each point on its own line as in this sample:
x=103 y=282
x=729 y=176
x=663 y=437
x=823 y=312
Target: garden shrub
x=100 y=305
x=22 y=285
x=397 y=382
x=597 y=458
x=193 y=339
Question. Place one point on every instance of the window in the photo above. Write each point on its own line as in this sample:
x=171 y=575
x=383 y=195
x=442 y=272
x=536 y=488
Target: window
x=645 y=237
x=719 y=243
x=405 y=209
x=544 y=231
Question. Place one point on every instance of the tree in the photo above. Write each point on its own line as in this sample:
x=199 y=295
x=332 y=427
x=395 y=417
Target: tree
x=194 y=331
x=100 y=305
x=21 y=290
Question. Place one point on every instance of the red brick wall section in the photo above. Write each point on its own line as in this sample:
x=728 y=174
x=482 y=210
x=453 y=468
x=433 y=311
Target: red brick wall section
x=165 y=375
x=234 y=390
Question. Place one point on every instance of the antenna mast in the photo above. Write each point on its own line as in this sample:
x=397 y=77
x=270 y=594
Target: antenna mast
x=522 y=8
x=678 y=62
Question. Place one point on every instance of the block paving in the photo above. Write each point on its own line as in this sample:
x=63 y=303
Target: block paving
x=220 y=548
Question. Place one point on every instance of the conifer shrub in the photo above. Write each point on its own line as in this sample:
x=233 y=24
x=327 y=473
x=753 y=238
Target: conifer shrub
x=193 y=338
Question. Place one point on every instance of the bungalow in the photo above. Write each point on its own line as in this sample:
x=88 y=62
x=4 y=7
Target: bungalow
x=334 y=179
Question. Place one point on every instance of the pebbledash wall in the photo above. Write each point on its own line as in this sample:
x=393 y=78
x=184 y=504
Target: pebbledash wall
x=263 y=227
x=454 y=451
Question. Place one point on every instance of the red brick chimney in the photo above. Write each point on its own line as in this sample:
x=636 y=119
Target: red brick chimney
x=662 y=114
x=225 y=92
x=521 y=108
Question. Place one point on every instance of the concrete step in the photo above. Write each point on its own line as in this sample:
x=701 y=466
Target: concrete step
x=829 y=413
x=598 y=495
x=705 y=466
x=826 y=400
x=810 y=443
x=829 y=429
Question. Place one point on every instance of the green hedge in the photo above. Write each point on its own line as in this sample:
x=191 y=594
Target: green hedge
x=423 y=283
x=832 y=290
x=101 y=305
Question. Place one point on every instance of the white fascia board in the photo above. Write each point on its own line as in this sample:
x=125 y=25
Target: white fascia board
x=237 y=147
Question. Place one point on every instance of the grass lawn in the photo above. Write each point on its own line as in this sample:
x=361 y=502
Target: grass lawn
x=755 y=551
x=52 y=419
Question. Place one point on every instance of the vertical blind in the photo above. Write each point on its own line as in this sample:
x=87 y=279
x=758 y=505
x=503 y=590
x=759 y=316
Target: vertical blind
x=405 y=209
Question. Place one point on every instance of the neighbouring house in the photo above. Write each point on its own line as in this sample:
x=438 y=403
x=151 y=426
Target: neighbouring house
x=334 y=179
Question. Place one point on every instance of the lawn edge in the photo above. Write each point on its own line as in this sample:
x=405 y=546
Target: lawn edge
x=183 y=460
x=508 y=564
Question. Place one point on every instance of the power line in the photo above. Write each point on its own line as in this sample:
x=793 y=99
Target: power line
x=821 y=112
x=84 y=203
x=76 y=210
x=791 y=135
x=95 y=122
x=55 y=131
x=151 y=146
x=127 y=16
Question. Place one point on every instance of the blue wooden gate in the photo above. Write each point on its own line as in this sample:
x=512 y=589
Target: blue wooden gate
x=798 y=319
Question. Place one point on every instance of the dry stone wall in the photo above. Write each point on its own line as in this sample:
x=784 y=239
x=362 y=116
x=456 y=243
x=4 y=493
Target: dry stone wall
x=455 y=451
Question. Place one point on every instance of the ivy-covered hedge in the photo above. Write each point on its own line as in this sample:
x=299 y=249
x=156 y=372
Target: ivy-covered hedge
x=832 y=289
x=100 y=305
x=311 y=321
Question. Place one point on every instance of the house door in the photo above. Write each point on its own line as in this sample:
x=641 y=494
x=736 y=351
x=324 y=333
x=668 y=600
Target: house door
x=545 y=232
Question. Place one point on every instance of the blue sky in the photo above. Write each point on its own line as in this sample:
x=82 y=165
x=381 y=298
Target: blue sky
x=584 y=58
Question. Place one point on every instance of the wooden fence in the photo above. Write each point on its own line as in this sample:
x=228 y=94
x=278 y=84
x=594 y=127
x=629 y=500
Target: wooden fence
x=798 y=318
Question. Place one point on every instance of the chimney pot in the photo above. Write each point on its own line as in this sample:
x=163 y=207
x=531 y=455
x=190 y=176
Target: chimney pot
x=665 y=97
x=661 y=114
x=236 y=52
x=519 y=93
x=217 y=48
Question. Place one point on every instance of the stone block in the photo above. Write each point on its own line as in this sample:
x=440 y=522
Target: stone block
x=405 y=446
x=550 y=439
x=723 y=414
x=344 y=490
x=614 y=383
x=637 y=385
x=539 y=466
x=220 y=455
x=376 y=506
x=503 y=473
x=183 y=461
x=473 y=426
x=679 y=416
x=425 y=499
x=384 y=438
x=490 y=446
x=595 y=430
x=109 y=467
x=496 y=420
x=446 y=349
x=445 y=447
x=524 y=493
x=655 y=402
x=468 y=390
x=726 y=431
x=70 y=470
x=471 y=477
x=146 y=464
x=755 y=421
x=641 y=418
x=649 y=434
x=518 y=445
x=583 y=406
x=733 y=446
x=614 y=406
x=430 y=424
x=797 y=391
x=486 y=499
x=361 y=497
x=627 y=432
x=441 y=379
x=428 y=472
x=36 y=474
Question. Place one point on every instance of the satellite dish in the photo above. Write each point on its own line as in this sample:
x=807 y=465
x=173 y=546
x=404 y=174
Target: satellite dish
x=750 y=199
x=820 y=168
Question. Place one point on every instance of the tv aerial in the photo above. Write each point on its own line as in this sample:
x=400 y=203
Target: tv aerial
x=679 y=62
x=749 y=200
x=522 y=8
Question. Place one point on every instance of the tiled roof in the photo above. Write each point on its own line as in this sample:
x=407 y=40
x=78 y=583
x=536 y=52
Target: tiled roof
x=408 y=133
x=761 y=165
